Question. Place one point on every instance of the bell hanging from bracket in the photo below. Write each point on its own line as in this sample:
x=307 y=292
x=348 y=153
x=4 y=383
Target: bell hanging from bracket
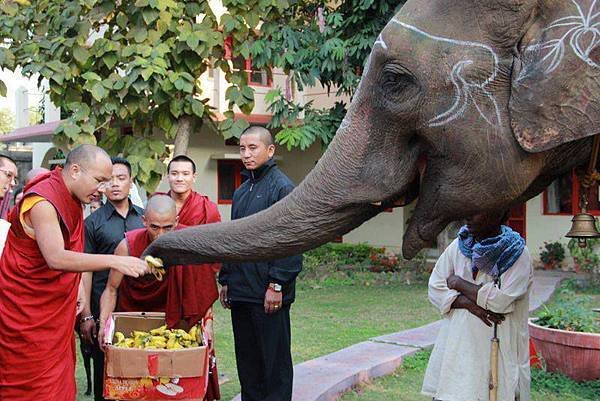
x=583 y=228
x=584 y=224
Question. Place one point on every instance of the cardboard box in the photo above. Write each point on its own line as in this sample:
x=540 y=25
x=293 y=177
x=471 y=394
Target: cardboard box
x=151 y=374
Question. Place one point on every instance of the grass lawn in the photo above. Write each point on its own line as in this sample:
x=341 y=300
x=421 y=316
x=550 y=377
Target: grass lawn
x=405 y=383
x=327 y=319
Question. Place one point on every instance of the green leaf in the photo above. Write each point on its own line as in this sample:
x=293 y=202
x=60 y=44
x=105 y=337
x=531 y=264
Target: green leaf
x=3 y=89
x=149 y=15
x=248 y=93
x=110 y=60
x=163 y=120
x=98 y=91
x=81 y=54
x=128 y=51
x=58 y=78
x=10 y=8
x=175 y=107
x=71 y=130
x=198 y=108
x=141 y=3
x=91 y=76
x=192 y=41
x=140 y=34
x=147 y=73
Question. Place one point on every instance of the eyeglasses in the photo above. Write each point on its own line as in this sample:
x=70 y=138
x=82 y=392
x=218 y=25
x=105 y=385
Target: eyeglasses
x=13 y=178
x=99 y=183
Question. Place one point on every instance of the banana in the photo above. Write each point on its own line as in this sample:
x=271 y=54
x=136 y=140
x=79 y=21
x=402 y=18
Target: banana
x=156 y=267
x=193 y=331
x=153 y=262
x=119 y=337
x=159 y=331
x=160 y=338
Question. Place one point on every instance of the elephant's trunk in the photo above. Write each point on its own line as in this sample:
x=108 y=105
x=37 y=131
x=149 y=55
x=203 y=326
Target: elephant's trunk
x=333 y=199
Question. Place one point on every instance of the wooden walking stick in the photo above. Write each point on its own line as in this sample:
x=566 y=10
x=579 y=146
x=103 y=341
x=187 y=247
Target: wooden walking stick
x=494 y=359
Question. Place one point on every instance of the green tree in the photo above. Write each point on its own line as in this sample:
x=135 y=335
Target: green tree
x=138 y=63
x=114 y=63
x=7 y=121
x=326 y=43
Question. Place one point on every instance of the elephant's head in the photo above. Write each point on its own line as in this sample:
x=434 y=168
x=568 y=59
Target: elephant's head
x=497 y=97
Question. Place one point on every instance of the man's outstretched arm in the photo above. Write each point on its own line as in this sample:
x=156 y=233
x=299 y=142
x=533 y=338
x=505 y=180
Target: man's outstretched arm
x=49 y=237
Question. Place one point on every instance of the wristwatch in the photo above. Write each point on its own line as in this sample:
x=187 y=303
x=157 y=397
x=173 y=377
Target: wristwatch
x=275 y=287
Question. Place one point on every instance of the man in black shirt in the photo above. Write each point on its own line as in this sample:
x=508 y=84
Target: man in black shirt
x=104 y=230
x=260 y=294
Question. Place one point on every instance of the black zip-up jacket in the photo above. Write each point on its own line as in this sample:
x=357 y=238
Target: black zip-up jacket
x=248 y=282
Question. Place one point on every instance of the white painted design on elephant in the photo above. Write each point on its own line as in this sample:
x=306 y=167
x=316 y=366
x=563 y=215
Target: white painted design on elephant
x=581 y=27
x=465 y=91
x=380 y=42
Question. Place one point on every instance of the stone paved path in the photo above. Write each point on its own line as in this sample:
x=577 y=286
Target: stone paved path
x=324 y=378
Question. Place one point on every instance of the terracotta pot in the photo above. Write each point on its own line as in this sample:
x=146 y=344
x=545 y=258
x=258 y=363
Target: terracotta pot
x=574 y=354
x=549 y=265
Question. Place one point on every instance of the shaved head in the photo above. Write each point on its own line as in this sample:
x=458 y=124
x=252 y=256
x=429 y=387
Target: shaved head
x=87 y=172
x=34 y=172
x=160 y=215
x=263 y=134
x=161 y=205
x=85 y=155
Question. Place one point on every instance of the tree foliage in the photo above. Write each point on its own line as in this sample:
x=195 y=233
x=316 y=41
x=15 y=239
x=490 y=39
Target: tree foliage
x=137 y=63
x=115 y=63
x=324 y=43
x=7 y=120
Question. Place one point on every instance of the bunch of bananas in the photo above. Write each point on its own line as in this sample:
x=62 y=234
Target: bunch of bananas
x=160 y=338
x=156 y=267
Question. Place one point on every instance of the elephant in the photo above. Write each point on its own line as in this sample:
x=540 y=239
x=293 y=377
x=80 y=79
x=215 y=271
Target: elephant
x=466 y=106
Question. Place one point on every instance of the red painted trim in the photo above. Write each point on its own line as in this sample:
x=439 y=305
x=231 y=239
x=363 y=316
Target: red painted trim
x=575 y=192
x=237 y=164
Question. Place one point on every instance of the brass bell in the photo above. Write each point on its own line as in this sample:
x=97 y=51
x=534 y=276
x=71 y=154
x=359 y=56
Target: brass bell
x=583 y=228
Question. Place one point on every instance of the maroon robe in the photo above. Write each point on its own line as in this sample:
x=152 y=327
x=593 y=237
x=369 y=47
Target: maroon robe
x=37 y=304
x=186 y=293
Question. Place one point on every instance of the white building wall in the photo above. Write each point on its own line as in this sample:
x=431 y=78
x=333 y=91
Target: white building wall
x=384 y=230
x=544 y=228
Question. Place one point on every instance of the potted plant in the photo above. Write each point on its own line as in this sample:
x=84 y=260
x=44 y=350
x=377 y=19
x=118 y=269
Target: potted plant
x=552 y=254
x=568 y=338
x=586 y=259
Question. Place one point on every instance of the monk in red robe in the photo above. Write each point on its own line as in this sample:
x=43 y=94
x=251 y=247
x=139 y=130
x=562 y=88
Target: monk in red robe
x=182 y=296
x=194 y=209
x=40 y=273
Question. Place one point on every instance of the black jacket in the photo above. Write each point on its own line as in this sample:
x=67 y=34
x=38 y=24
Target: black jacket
x=248 y=282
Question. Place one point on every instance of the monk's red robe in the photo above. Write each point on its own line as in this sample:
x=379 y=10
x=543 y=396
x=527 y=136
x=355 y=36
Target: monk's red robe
x=198 y=209
x=180 y=295
x=37 y=304
x=186 y=293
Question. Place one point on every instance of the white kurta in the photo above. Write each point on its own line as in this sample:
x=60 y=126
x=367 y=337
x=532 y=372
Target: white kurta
x=459 y=366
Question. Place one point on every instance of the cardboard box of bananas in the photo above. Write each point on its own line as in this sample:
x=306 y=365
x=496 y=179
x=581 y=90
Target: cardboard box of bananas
x=160 y=338
x=145 y=360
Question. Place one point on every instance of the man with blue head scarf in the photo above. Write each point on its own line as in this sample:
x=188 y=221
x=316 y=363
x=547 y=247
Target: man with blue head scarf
x=482 y=278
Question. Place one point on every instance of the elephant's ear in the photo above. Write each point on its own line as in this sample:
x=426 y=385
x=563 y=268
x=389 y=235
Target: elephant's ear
x=555 y=95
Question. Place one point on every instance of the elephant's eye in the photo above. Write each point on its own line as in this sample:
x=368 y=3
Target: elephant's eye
x=397 y=82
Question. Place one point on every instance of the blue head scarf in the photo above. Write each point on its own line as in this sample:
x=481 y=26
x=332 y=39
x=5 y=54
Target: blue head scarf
x=492 y=256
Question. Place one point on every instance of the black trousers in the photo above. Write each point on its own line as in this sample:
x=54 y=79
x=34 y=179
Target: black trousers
x=98 y=357
x=263 y=352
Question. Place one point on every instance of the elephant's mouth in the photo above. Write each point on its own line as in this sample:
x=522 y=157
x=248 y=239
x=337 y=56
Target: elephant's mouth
x=403 y=199
x=411 y=193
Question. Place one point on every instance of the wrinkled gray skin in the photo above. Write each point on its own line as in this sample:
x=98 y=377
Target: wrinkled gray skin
x=467 y=84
